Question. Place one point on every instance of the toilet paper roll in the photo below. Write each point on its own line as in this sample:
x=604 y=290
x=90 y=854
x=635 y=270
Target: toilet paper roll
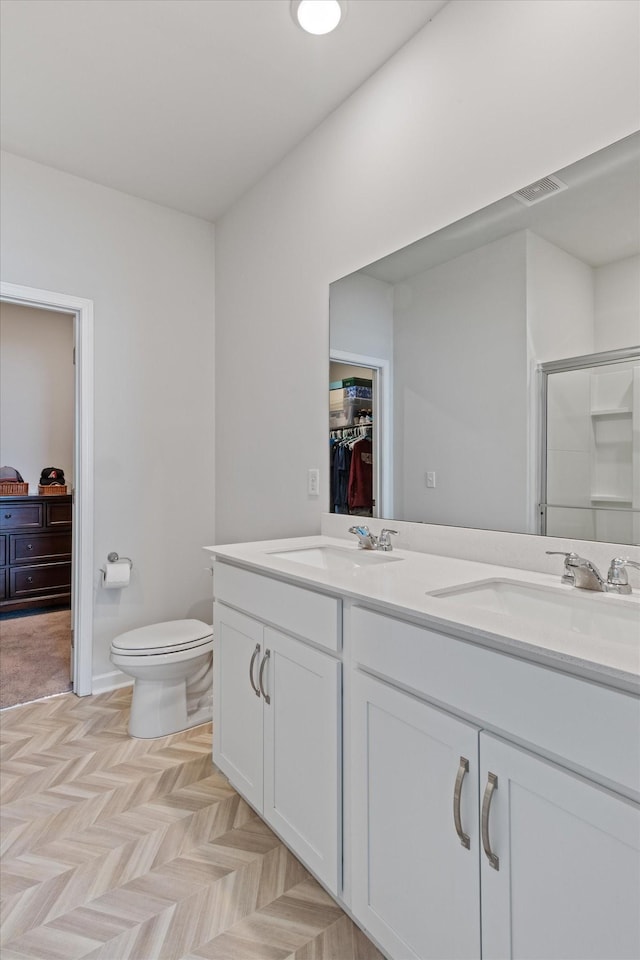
x=116 y=575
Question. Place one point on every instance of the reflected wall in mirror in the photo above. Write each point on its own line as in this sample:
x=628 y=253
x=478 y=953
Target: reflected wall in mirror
x=590 y=465
x=458 y=325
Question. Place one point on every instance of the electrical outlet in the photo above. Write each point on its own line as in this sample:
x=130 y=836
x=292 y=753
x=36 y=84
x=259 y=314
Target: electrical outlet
x=430 y=479
x=313 y=482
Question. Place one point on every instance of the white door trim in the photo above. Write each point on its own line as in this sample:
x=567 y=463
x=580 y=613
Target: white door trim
x=383 y=424
x=82 y=564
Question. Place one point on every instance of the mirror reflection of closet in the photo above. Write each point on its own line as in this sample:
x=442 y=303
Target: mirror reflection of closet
x=590 y=415
x=353 y=456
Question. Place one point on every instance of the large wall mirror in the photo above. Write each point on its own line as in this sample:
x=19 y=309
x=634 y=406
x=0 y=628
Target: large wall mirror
x=442 y=364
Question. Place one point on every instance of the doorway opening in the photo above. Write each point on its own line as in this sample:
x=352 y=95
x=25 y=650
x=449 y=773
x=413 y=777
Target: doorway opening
x=360 y=423
x=39 y=525
x=36 y=516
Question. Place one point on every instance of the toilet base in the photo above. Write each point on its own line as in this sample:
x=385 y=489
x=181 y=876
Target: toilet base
x=158 y=710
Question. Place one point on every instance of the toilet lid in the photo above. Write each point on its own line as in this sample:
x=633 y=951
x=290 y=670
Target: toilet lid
x=173 y=635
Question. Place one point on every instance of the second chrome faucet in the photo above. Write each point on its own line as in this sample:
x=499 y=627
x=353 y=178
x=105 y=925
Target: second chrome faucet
x=582 y=573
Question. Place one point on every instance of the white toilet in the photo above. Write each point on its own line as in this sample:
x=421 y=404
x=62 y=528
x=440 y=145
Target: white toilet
x=172 y=667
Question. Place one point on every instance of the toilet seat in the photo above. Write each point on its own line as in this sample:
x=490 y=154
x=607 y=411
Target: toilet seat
x=163 y=638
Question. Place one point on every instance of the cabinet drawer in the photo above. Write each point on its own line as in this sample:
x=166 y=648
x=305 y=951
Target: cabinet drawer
x=303 y=613
x=50 y=578
x=25 y=548
x=3 y=550
x=593 y=728
x=58 y=514
x=19 y=515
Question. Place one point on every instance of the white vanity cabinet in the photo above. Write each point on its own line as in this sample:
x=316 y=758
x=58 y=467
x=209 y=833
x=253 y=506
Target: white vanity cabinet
x=277 y=731
x=415 y=885
x=568 y=879
x=552 y=867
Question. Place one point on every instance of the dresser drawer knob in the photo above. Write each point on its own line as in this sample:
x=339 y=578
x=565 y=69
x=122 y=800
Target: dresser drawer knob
x=29 y=546
x=8 y=516
x=29 y=579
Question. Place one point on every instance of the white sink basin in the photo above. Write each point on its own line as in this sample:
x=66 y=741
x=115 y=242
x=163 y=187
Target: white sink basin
x=335 y=558
x=593 y=614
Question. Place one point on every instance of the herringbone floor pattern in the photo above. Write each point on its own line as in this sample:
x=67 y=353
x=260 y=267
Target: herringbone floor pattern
x=121 y=849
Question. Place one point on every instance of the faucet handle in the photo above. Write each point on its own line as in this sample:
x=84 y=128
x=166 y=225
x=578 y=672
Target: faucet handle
x=617 y=579
x=569 y=561
x=384 y=539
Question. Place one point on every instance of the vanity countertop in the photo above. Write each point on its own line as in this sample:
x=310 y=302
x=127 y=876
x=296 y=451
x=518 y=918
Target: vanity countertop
x=404 y=588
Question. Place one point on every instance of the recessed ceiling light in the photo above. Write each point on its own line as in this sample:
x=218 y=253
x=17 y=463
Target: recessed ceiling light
x=318 y=16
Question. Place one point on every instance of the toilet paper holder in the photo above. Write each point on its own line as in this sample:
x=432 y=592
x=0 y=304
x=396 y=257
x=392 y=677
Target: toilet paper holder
x=114 y=557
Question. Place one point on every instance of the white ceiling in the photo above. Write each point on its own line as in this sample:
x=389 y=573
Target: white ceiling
x=183 y=102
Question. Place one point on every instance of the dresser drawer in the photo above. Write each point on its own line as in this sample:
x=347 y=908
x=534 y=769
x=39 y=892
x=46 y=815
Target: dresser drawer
x=295 y=610
x=58 y=514
x=15 y=516
x=35 y=581
x=26 y=548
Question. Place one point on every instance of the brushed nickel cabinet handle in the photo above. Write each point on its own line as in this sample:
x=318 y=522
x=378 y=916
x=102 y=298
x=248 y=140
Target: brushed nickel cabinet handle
x=266 y=696
x=253 y=660
x=464 y=838
x=492 y=785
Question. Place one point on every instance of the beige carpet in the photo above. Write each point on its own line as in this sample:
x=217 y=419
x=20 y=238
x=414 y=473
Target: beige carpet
x=34 y=656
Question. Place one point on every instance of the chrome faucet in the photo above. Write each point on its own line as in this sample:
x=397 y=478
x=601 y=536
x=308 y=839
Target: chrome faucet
x=585 y=575
x=369 y=541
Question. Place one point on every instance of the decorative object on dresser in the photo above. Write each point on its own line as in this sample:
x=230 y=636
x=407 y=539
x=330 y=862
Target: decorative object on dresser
x=35 y=552
x=12 y=483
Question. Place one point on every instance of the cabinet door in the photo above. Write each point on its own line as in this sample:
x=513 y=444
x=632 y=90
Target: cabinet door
x=302 y=752
x=568 y=879
x=415 y=886
x=237 y=726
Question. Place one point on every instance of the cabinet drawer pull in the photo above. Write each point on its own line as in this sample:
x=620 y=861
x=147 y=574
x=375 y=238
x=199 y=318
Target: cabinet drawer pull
x=464 y=838
x=29 y=579
x=253 y=660
x=266 y=696
x=492 y=785
x=29 y=546
x=8 y=516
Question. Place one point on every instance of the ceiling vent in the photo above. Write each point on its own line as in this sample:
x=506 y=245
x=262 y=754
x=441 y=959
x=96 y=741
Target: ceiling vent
x=539 y=190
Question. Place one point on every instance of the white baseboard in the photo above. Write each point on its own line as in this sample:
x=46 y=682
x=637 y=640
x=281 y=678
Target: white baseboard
x=110 y=681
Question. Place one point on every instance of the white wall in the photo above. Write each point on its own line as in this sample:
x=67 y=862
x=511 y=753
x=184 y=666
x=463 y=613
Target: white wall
x=460 y=389
x=487 y=97
x=149 y=271
x=560 y=302
x=36 y=391
x=617 y=304
x=362 y=317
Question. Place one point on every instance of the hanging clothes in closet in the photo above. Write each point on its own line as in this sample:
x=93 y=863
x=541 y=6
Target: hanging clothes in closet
x=351 y=470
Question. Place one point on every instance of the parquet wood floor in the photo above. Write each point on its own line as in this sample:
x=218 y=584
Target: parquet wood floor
x=121 y=849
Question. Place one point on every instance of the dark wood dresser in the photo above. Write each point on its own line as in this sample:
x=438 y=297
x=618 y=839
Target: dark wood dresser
x=35 y=552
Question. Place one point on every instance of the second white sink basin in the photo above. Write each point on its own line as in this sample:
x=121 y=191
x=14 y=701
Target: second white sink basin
x=593 y=614
x=335 y=558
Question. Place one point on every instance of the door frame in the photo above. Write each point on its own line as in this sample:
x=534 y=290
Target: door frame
x=382 y=425
x=82 y=551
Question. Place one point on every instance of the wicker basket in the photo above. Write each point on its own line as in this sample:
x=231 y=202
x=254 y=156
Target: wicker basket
x=52 y=491
x=13 y=489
